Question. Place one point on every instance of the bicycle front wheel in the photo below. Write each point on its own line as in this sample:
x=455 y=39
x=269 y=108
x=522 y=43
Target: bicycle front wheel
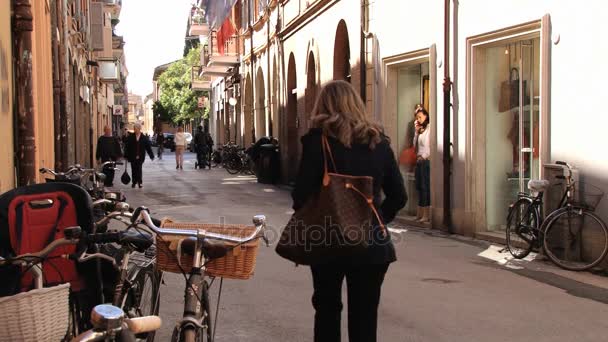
x=576 y=239
x=522 y=227
x=143 y=298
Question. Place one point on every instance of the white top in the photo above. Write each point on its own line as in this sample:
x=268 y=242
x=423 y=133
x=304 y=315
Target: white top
x=424 y=143
x=180 y=139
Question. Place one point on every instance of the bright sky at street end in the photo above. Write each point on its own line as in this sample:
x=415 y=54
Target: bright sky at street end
x=154 y=32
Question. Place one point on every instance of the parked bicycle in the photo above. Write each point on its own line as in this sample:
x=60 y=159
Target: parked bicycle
x=204 y=246
x=137 y=284
x=92 y=181
x=572 y=236
x=239 y=161
x=52 y=304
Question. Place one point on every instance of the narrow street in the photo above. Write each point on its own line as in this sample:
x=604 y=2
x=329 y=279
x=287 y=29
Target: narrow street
x=440 y=289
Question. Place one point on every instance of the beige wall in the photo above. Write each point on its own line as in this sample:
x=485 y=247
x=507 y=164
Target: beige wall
x=7 y=170
x=43 y=87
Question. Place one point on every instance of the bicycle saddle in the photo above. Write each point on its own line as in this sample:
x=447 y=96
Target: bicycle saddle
x=140 y=239
x=538 y=185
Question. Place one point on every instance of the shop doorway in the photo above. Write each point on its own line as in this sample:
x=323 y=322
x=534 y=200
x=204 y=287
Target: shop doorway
x=507 y=96
x=413 y=86
x=411 y=82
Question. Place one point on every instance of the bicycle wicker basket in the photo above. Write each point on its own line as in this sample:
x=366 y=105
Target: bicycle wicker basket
x=239 y=263
x=587 y=195
x=36 y=315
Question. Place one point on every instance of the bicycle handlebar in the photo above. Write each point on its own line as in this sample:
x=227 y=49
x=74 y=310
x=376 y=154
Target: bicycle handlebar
x=142 y=214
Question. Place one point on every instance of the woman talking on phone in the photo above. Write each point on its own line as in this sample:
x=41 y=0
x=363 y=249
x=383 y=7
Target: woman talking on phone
x=422 y=143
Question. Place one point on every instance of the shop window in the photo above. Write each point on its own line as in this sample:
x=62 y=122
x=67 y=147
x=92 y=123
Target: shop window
x=506 y=94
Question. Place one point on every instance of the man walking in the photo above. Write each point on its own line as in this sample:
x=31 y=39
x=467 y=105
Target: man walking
x=135 y=151
x=160 y=141
x=108 y=149
x=203 y=143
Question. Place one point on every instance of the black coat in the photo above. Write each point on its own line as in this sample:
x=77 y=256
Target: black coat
x=359 y=160
x=134 y=148
x=108 y=148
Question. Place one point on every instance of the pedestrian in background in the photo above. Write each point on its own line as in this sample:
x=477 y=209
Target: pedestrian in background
x=180 y=146
x=108 y=149
x=160 y=141
x=359 y=149
x=135 y=151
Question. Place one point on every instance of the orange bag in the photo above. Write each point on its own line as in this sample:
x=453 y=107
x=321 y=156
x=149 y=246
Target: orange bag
x=408 y=156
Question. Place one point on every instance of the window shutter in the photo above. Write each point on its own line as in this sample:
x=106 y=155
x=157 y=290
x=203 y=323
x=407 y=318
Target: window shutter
x=97 y=20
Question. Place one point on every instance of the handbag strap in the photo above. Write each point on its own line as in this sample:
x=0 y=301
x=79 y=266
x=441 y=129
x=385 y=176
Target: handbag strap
x=326 y=180
x=327 y=153
x=370 y=202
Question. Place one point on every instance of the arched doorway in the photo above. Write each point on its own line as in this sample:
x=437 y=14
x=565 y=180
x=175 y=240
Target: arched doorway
x=248 y=117
x=342 y=53
x=260 y=105
x=311 y=88
x=292 y=119
x=274 y=115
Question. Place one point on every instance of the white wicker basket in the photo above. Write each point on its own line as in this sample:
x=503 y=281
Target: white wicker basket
x=36 y=315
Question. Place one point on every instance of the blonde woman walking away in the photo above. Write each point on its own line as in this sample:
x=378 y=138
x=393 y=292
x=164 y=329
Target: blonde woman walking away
x=180 y=146
x=359 y=149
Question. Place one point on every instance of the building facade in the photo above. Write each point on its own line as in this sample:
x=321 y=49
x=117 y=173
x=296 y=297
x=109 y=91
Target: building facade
x=512 y=107
x=56 y=98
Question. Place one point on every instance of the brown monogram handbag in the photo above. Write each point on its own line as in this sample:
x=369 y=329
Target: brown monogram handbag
x=335 y=223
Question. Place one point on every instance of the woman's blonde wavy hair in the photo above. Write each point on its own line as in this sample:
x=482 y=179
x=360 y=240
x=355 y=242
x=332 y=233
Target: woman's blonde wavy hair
x=340 y=113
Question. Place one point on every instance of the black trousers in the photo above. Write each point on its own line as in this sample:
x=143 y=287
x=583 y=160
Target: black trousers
x=136 y=172
x=363 y=283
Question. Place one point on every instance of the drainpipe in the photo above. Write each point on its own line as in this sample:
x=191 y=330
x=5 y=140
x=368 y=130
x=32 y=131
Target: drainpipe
x=26 y=141
x=57 y=84
x=363 y=67
x=269 y=94
x=447 y=88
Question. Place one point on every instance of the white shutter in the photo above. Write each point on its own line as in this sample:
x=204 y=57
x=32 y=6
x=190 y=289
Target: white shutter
x=97 y=19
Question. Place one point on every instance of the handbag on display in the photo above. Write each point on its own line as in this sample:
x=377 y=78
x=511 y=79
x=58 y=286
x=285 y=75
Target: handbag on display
x=125 y=178
x=408 y=156
x=337 y=222
x=509 y=92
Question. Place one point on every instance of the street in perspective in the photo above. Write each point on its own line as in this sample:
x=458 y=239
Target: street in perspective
x=302 y=170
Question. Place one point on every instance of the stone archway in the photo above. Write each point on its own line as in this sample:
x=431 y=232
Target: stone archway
x=260 y=105
x=248 y=117
x=292 y=119
x=342 y=53
x=311 y=86
x=275 y=117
